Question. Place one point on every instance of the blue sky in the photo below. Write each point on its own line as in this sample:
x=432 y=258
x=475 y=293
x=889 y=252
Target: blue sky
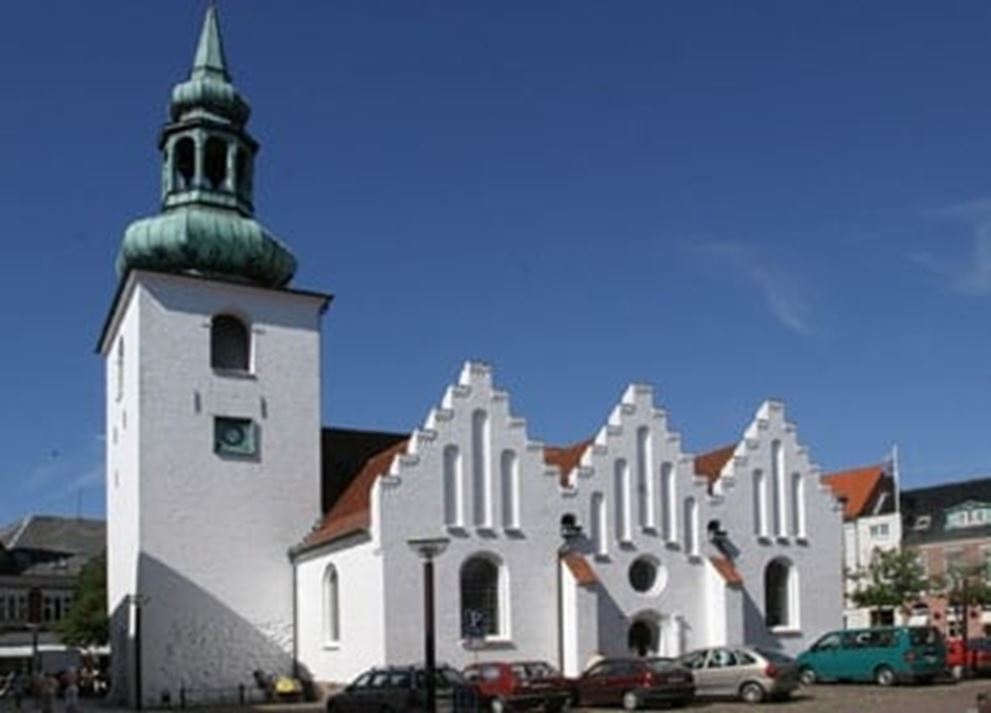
x=727 y=200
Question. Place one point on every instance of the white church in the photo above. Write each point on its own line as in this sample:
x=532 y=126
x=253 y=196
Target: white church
x=243 y=535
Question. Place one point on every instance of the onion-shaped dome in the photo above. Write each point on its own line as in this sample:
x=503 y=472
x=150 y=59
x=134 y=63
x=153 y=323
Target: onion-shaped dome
x=206 y=241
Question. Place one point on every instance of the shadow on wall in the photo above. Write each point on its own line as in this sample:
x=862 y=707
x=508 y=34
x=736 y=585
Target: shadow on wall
x=192 y=642
x=755 y=632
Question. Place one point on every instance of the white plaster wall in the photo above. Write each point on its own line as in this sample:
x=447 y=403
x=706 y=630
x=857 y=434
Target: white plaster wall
x=410 y=504
x=122 y=491
x=214 y=532
x=678 y=599
x=817 y=555
x=361 y=607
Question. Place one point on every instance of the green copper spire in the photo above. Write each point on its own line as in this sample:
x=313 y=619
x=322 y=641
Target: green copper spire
x=209 y=60
x=206 y=225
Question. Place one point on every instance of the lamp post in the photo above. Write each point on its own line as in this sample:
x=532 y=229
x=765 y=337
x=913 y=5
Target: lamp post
x=137 y=601
x=428 y=548
x=570 y=532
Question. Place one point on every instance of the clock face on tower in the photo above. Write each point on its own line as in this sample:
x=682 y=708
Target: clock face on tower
x=234 y=436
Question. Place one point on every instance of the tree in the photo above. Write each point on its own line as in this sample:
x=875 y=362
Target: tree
x=87 y=624
x=893 y=579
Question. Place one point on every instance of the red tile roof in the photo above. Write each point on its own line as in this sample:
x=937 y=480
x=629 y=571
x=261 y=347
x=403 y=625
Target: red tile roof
x=711 y=464
x=580 y=568
x=351 y=512
x=856 y=487
x=727 y=570
x=566 y=457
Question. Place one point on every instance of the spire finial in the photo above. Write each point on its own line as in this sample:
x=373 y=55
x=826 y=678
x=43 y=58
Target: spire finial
x=209 y=61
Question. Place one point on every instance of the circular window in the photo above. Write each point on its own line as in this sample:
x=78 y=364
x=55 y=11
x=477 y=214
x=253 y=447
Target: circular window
x=646 y=575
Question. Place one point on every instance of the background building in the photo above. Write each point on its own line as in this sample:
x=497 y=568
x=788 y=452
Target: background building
x=871 y=522
x=950 y=528
x=40 y=559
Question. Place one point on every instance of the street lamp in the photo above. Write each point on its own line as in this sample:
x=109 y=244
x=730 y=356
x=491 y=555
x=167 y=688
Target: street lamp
x=428 y=548
x=137 y=601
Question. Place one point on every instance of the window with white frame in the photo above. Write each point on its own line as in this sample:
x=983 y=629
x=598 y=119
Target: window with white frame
x=484 y=597
x=510 y=477
x=778 y=484
x=481 y=481
x=331 y=606
x=645 y=479
x=454 y=515
x=599 y=524
x=781 y=605
x=880 y=530
x=621 y=498
x=760 y=503
x=797 y=505
x=691 y=526
x=669 y=508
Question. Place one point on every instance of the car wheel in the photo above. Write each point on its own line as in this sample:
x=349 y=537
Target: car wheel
x=751 y=692
x=498 y=705
x=807 y=676
x=884 y=676
x=630 y=701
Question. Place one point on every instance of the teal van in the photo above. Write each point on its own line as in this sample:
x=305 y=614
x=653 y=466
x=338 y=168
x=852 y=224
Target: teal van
x=885 y=655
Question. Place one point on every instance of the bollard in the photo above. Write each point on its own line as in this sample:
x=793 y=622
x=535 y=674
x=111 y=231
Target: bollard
x=240 y=693
x=182 y=696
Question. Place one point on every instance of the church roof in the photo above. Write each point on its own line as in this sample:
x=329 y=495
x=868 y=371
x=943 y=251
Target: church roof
x=351 y=512
x=57 y=535
x=711 y=464
x=579 y=567
x=566 y=458
x=727 y=570
x=856 y=488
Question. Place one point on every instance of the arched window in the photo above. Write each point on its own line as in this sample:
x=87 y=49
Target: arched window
x=183 y=164
x=483 y=598
x=510 y=476
x=645 y=479
x=331 y=606
x=215 y=163
x=760 y=504
x=621 y=497
x=599 y=525
x=797 y=505
x=779 y=486
x=230 y=344
x=453 y=488
x=669 y=509
x=481 y=479
x=780 y=595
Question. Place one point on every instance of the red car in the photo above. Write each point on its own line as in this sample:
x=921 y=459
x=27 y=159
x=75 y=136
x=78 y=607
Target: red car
x=634 y=683
x=978 y=656
x=504 y=686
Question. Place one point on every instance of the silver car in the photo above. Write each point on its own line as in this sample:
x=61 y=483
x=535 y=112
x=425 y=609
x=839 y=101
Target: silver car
x=750 y=673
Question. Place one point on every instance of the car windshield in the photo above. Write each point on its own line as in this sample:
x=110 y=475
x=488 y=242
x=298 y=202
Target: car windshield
x=775 y=657
x=539 y=669
x=922 y=635
x=661 y=664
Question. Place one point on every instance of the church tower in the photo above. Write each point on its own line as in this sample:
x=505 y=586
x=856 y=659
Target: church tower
x=213 y=413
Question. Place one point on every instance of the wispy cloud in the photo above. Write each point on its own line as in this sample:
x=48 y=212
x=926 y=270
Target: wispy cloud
x=60 y=472
x=779 y=288
x=969 y=275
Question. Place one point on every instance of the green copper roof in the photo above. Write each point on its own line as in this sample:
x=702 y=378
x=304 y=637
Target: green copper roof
x=207 y=241
x=206 y=225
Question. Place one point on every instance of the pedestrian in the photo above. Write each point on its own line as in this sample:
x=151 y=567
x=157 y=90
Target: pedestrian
x=46 y=693
x=20 y=688
x=71 y=691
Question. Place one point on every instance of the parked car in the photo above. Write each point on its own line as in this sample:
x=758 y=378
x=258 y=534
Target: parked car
x=633 y=683
x=504 y=686
x=747 y=672
x=883 y=655
x=398 y=689
x=978 y=659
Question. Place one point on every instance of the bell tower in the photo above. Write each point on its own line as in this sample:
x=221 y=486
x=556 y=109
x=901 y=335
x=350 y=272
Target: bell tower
x=213 y=413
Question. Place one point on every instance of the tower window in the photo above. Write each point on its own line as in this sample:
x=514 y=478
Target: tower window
x=242 y=173
x=215 y=163
x=184 y=164
x=230 y=344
